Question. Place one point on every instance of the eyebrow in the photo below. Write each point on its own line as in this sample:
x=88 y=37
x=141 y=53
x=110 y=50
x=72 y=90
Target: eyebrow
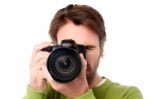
x=89 y=47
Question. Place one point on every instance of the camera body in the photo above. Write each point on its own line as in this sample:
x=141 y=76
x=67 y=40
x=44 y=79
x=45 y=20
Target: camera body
x=64 y=63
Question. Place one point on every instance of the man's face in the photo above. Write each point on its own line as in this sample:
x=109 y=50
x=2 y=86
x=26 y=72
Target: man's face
x=82 y=35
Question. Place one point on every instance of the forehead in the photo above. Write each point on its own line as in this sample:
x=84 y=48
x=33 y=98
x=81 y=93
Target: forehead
x=79 y=33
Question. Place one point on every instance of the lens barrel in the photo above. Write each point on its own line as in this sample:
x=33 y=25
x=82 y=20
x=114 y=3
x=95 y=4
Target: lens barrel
x=64 y=64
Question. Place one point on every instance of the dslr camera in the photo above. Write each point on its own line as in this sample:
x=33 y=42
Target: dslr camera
x=64 y=63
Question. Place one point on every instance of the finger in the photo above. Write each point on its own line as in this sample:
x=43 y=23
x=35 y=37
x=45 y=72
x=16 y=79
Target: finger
x=83 y=62
x=39 y=59
x=46 y=73
x=37 y=73
x=40 y=55
x=38 y=65
x=39 y=47
x=41 y=74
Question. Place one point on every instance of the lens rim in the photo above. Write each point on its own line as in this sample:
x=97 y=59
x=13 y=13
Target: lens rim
x=56 y=75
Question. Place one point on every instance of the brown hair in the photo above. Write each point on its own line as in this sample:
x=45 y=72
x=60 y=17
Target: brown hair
x=79 y=15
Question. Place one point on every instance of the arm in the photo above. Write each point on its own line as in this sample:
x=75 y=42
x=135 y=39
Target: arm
x=37 y=88
x=133 y=93
x=31 y=93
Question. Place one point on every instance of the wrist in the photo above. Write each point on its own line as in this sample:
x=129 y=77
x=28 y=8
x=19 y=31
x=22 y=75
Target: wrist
x=85 y=89
x=82 y=91
x=38 y=86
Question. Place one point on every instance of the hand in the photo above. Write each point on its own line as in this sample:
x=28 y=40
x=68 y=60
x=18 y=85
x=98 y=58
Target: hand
x=74 y=88
x=38 y=60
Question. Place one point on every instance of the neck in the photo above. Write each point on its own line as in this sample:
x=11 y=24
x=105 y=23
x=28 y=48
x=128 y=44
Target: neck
x=96 y=80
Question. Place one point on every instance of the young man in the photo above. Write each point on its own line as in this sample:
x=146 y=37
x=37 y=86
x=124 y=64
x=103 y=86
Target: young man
x=85 y=26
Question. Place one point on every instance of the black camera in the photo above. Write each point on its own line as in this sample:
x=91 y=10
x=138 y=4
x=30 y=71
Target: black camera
x=64 y=62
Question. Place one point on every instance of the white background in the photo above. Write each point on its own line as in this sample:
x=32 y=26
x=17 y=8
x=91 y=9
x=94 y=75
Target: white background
x=25 y=23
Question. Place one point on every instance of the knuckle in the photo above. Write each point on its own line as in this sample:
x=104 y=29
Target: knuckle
x=35 y=48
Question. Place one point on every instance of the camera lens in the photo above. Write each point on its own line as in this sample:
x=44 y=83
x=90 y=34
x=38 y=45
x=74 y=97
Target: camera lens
x=64 y=64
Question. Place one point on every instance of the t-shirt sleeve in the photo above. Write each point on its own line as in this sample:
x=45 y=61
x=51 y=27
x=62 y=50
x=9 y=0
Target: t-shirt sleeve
x=134 y=93
x=88 y=95
x=34 y=94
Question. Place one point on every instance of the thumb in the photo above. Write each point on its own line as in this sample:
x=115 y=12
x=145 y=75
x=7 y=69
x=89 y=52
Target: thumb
x=83 y=62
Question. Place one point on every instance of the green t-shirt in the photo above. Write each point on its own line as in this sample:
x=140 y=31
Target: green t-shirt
x=108 y=90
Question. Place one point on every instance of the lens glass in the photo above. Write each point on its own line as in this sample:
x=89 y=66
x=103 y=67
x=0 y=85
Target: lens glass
x=65 y=64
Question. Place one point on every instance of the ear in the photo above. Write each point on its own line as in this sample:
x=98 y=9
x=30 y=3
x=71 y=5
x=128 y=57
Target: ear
x=102 y=51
